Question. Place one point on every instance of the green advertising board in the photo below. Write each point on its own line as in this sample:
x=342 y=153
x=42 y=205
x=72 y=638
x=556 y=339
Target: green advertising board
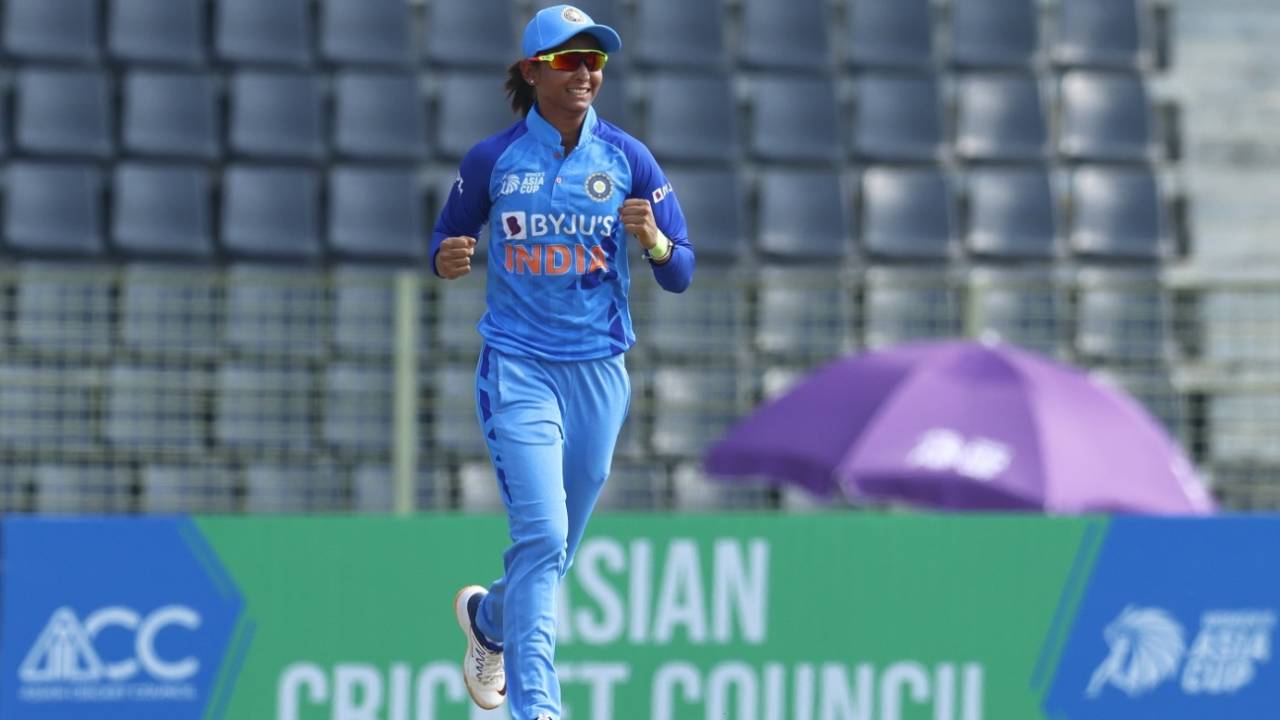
x=824 y=617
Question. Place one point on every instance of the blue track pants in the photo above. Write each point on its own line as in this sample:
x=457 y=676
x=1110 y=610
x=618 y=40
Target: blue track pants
x=551 y=429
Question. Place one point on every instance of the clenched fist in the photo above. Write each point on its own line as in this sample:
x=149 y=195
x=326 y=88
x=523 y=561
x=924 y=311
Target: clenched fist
x=637 y=218
x=453 y=259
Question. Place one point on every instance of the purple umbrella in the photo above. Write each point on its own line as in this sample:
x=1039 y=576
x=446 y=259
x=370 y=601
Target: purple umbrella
x=967 y=425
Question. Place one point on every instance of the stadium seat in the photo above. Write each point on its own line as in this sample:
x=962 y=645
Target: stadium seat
x=271 y=212
x=364 y=312
x=155 y=409
x=459 y=305
x=379 y=116
x=1122 y=316
x=373 y=491
x=263 y=410
x=252 y=31
x=1117 y=213
x=690 y=117
x=1000 y=117
x=902 y=304
x=54 y=210
x=169 y=311
x=613 y=102
x=1011 y=212
x=1241 y=427
x=473 y=34
x=67 y=488
x=63 y=112
x=779 y=133
x=692 y=491
x=634 y=486
x=195 y=488
x=714 y=207
x=358 y=408
x=367 y=32
x=271 y=487
x=692 y=407
x=278 y=312
x=680 y=34
x=162 y=211
x=994 y=33
x=157 y=31
x=376 y=214
x=784 y=36
x=277 y=115
x=890 y=34
x=64 y=308
x=46 y=408
x=897 y=118
x=470 y=107
x=633 y=439
x=454 y=427
x=1022 y=306
x=802 y=313
x=803 y=215
x=907 y=214
x=171 y=114
x=1099 y=33
x=1105 y=117
x=478 y=489
x=707 y=320
x=42 y=30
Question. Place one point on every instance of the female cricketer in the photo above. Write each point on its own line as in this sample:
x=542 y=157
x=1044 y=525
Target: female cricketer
x=561 y=191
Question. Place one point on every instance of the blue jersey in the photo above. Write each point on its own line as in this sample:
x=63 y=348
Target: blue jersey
x=558 y=273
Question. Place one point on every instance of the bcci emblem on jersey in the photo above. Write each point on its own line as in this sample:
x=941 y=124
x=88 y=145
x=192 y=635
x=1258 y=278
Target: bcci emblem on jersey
x=599 y=187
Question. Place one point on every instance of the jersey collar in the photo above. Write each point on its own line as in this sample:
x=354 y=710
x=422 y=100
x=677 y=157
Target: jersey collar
x=547 y=133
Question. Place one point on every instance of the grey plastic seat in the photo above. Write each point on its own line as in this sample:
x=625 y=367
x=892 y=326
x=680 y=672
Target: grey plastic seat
x=271 y=212
x=363 y=310
x=897 y=118
x=366 y=32
x=376 y=214
x=358 y=408
x=802 y=313
x=470 y=107
x=1012 y=213
x=1099 y=33
x=634 y=486
x=633 y=438
x=779 y=133
x=275 y=487
x=1022 y=306
x=784 y=36
x=72 y=488
x=692 y=407
x=46 y=408
x=475 y=34
x=804 y=215
x=613 y=103
x=276 y=312
x=54 y=210
x=1122 y=316
x=170 y=311
x=155 y=409
x=714 y=206
x=162 y=211
x=183 y=488
x=171 y=114
x=994 y=33
x=691 y=117
x=64 y=308
x=277 y=115
x=706 y=320
x=907 y=214
x=692 y=491
x=64 y=112
x=1000 y=117
x=682 y=34
x=263 y=409
x=372 y=489
x=1117 y=213
x=890 y=34
x=454 y=427
x=459 y=306
x=45 y=30
x=901 y=304
x=252 y=31
x=1106 y=117
x=379 y=116
x=1241 y=427
x=157 y=31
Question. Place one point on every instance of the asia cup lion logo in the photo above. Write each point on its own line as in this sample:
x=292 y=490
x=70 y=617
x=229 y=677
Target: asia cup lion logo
x=1147 y=646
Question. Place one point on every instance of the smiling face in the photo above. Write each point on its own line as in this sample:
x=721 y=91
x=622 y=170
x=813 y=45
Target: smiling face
x=566 y=92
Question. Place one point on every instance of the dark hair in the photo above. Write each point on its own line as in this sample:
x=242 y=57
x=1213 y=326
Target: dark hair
x=519 y=92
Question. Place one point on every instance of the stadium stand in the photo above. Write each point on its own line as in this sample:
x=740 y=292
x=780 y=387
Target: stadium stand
x=157 y=32
x=994 y=33
x=890 y=34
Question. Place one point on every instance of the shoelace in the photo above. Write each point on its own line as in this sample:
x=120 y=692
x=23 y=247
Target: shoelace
x=488 y=665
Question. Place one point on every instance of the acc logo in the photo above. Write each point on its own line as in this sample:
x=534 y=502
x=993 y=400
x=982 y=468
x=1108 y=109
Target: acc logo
x=573 y=15
x=599 y=187
x=514 y=225
x=64 y=651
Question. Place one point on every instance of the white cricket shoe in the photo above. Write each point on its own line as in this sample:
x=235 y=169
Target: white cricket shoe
x=481 y=667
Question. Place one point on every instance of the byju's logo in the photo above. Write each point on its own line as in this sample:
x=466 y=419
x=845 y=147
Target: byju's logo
x=64 y=662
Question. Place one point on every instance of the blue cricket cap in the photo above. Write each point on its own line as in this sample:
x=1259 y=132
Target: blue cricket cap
x=556 y=24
